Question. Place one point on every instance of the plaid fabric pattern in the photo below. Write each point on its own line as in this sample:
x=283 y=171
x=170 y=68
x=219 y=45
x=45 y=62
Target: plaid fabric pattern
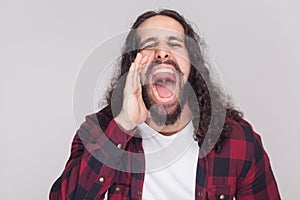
x=241 y=170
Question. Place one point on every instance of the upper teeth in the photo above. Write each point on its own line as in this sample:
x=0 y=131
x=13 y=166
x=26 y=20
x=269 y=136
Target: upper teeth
x=161 y=70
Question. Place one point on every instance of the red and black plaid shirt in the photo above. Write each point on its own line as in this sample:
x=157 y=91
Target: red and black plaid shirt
x=241 y=170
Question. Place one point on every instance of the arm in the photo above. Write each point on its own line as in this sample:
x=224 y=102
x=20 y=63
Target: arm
x=95 y=155
x=259 y=181
x=87 y=173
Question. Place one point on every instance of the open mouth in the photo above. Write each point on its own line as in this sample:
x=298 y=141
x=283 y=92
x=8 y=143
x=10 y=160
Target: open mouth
x=163 y=80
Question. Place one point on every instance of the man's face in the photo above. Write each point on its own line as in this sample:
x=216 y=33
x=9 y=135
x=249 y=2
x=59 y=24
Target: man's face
x=164 y=80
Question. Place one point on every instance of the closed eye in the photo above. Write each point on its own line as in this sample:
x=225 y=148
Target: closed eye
x=173 y=44
x=149 y=46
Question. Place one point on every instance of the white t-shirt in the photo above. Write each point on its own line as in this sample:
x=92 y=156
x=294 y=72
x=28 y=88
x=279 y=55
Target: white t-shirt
x=171 y=163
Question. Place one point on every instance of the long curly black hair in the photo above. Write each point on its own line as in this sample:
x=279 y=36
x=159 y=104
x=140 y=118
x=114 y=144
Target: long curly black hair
x=211 y=99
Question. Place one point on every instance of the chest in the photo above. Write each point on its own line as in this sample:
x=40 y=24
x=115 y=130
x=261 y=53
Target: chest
x=207 y=178
x=175 y=178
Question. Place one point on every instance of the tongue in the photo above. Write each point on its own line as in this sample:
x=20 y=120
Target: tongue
x=163 y=91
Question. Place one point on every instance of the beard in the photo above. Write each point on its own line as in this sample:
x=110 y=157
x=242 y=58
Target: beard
x=165 y=114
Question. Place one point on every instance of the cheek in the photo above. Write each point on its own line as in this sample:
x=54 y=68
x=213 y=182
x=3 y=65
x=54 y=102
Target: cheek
x=183 y=61
x=185 y=67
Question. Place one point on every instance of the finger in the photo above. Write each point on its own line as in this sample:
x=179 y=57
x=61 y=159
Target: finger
x=149 y=59
x=138 y=79
x=142 y=64
x=137 y=59
x=134 y=73
x=131 y=68
x=144 y=60
x=130 y=77
x=134 y=79
x=145 y=112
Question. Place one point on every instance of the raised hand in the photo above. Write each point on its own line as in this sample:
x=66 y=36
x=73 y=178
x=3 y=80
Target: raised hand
x=133 y=111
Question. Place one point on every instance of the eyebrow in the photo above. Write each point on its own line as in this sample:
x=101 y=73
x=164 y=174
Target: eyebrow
x=151 y=39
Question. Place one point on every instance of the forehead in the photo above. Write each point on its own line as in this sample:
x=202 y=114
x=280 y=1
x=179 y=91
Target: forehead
x=160 y=26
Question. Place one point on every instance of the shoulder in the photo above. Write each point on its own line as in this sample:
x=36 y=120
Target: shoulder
x=242 y=130
x=95 y=125
x=99 y=119
x=243 y=143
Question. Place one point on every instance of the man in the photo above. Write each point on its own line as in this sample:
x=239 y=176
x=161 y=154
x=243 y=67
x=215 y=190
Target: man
x=167 y=131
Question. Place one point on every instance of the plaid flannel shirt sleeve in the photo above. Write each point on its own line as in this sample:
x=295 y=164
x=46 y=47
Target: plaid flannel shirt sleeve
x=84 y=176
x=259 y=181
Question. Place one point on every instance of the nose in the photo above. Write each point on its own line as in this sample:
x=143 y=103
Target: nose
x=162 y=54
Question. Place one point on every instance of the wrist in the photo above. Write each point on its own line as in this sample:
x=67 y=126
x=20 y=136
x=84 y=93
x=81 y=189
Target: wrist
x=124 y=123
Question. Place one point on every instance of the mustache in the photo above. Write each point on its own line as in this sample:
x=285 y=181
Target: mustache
x=168 y=62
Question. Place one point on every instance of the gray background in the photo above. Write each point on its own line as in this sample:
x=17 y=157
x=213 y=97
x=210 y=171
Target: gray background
x=43 y=44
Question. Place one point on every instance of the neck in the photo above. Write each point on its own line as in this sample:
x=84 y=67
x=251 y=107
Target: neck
x=185 y=117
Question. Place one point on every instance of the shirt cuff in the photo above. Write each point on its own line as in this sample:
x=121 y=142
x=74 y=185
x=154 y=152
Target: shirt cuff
x=118 y=135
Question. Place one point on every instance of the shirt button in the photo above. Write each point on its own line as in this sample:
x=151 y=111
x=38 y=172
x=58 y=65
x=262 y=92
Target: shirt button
x=101 y=179
x=119 y=146
x=195 y=136
x=222 y=196
x=200 y=194
x=139 y=193
x=118 y=189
